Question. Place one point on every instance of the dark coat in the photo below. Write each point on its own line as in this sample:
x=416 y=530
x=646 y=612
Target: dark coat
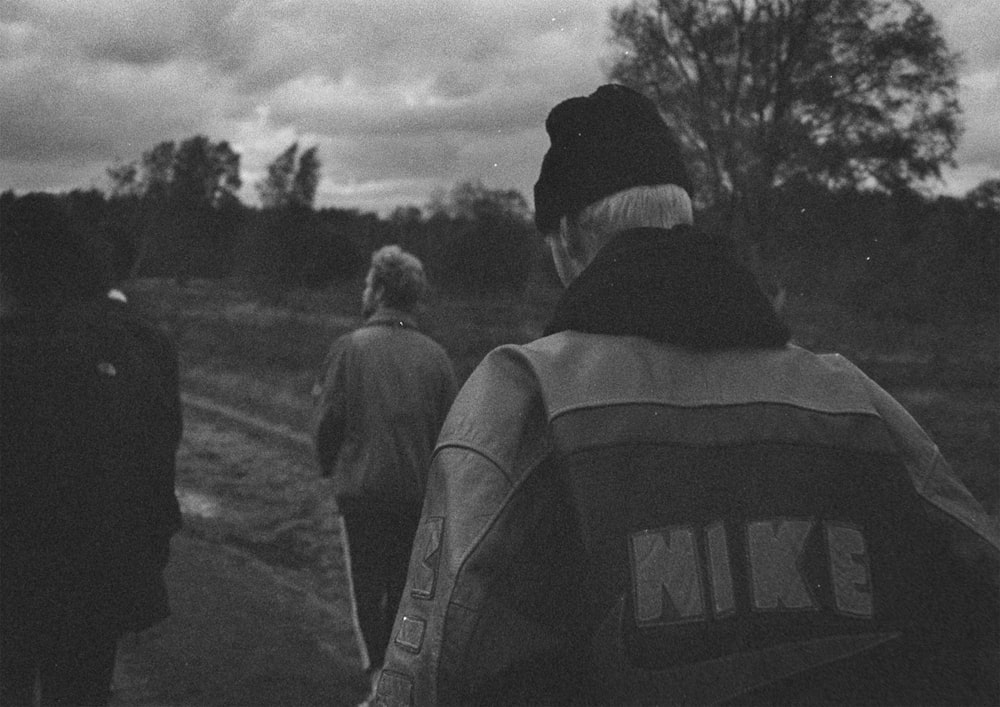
x=90 y=426
x=384 y=393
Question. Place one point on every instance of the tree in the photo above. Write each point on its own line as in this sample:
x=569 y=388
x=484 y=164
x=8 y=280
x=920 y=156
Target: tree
x=847 y=93
x=986 y=195
x=177 y=196
x=484 y=239
x=275 y=187
x=306 y=178
x=285 y=185
x=195 y=174
x=472 y=201
x=205 y=175
x=124 y=178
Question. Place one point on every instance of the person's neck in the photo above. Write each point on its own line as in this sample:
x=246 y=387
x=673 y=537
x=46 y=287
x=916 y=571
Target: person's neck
x=384 y=313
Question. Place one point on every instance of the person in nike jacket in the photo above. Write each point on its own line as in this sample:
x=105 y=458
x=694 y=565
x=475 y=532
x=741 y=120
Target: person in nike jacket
x=665 y=501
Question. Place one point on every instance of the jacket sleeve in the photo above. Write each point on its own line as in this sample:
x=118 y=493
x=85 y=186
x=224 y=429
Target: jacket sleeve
x=448 y=391
x=493 y=438
x=330 y=407
x=973 y=537
x=974 y=532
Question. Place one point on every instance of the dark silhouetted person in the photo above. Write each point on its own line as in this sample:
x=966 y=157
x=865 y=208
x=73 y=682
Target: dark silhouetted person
x=380 y=403
x=90 y=425
x=664 y=501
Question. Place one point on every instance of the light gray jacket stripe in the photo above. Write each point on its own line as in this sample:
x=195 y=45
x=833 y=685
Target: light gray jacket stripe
x=579 y=371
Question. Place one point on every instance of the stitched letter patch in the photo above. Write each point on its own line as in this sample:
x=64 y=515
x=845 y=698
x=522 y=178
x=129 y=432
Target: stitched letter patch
x=428 y=546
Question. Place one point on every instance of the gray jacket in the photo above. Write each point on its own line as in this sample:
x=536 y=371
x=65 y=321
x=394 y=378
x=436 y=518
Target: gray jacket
x=384 y=393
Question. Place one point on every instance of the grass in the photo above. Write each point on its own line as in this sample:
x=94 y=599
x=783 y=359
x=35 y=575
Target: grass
x=262 y=351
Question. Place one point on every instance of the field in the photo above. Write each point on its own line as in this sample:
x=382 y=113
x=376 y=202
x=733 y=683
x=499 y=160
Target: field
x=259 y=354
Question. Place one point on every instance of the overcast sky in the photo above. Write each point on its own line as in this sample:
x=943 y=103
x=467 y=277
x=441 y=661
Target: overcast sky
x=401 y=96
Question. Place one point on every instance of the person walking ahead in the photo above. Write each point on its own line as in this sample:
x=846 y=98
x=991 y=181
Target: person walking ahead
x=385 y=391
x=663 y=501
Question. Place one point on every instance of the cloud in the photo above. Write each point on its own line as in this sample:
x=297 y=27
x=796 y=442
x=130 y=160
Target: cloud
x=72 y=91
x=980 y=94
x=400 y=97
x=390 y=90
x=431 y=93
x=971 y=28
x=48 y=111
x=143 y=32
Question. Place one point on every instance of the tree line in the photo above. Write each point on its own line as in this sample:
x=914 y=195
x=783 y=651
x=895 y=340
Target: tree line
x=902 y=255
x=175 y=213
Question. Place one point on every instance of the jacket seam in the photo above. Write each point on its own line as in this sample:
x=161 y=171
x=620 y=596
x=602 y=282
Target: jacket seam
x=892 y=454
x=531 y=467
x=618 y=402
x=476 y=449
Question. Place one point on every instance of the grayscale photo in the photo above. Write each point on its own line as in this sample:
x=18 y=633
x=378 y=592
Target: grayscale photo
x=407 y=353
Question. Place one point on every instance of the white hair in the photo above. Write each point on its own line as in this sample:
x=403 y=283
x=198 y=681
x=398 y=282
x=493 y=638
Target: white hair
x=660 y=206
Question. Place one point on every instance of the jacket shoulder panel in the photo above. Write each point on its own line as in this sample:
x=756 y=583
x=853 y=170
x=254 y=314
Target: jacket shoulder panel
x=500 y=414
x=588 y=370
x=581 y=372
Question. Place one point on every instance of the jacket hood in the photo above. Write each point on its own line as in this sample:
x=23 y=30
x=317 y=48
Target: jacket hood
x=679 y=287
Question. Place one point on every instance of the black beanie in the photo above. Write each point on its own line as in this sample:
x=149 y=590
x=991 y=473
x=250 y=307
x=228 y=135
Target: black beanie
x=612 y=140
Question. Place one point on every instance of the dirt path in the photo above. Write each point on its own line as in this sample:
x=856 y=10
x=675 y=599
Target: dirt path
x=259 y=595
x=283 y=433
x=241 y=635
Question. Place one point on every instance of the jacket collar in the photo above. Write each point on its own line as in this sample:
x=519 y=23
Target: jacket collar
x=677 y=286
x=387 y=316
